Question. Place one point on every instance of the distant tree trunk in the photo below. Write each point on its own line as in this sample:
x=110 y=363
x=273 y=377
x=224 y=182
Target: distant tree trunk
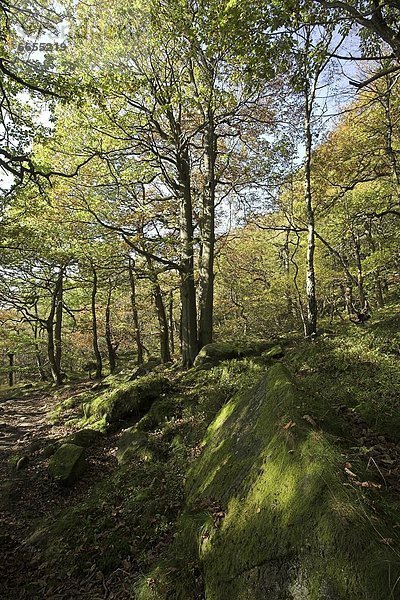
x=360 y=275
x=311 y=317
x=11 y=375
x=42 y=373
x=135 y=315
x=58 y=322
x=171 y=322
x=207 y=238
x=161 y=313
x=108 y=334
x=190 y=345
x=99 y=362
x=51 y=349
x=376 y=275
x=348 y=298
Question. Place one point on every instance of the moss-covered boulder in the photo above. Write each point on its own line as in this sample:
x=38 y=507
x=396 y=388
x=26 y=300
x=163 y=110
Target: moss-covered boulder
x=67 y=464
x=273 y=353
x=160 y=411
x=85 y=438
x=134 y=445
x=144 y=368
x=212 y=354
x=130 y=398
x=268 y=512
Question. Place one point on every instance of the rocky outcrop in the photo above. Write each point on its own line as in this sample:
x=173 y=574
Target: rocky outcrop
x=133 y=445
x=85 y=438
x=130 y=398
x=268 y=514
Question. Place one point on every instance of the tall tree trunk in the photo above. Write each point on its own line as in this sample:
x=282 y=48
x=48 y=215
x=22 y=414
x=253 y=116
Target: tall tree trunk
x=171 y=322
x=135 y=314
x=161 y=313
x=311 y=317
x=39 y=363
x=360 y=275
x=51 y=348
x=99 y=362
x=111 y=349
x=207 y=237
x=376 y=274
x=58 y=322
x=190 y=346
x=11 y=375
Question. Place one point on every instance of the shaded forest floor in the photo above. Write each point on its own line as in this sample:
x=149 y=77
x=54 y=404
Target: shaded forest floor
x=104 y=535
x=27 y=492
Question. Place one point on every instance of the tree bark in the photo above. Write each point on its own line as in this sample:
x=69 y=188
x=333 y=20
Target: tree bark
x=171 y=322
x=11 y=375
x=376 y=274
x=360 y=275
x=311 y=317
x=207 y=237
x=108 y=334
x=135 y=314
x=96 y=350
x=161 y=313
x=190 y=346
x=51 y=348
x=58 y=322
x=42 y=373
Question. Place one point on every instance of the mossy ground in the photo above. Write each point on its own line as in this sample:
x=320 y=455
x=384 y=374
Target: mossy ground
x=246 y=494
x=270 y=509
x=128 y=519
x=356 y=366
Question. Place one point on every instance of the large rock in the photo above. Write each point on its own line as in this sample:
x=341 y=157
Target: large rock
x=67 y=464
x=133 y=445
x=273 y=353
x=130 y=398
x=85 y=438
x=268 y=514
x=212 y=354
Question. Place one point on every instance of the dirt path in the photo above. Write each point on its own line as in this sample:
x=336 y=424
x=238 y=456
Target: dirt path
x=24 y=420
x=28 y=494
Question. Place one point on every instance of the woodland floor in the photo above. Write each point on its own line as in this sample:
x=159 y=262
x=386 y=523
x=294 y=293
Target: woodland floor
x=352 y=381
x=29 y=494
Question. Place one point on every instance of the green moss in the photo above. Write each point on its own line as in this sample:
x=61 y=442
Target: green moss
x=130 y=398
x=357 y=367
x=67 y=463
x=289 y=526
x=213 y=354
x=67 y=405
